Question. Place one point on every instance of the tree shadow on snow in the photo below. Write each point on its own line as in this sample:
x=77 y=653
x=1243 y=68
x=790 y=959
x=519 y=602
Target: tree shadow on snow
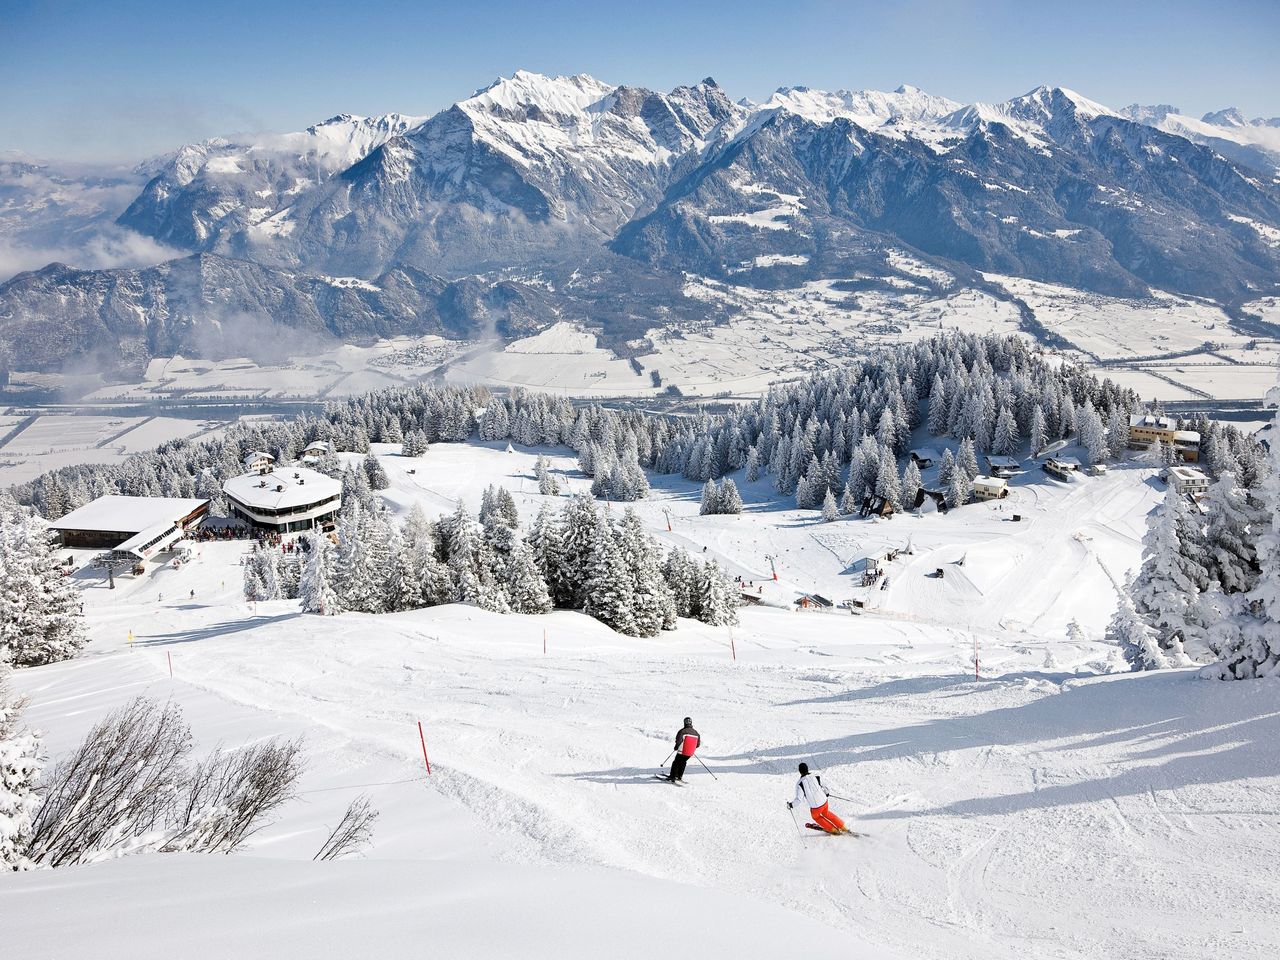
x=213 y=630
x=1162 y=731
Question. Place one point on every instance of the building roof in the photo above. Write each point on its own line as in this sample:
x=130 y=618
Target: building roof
x=1151 y=420
x=1071 y=462
x=926 y=453
x=115 y=514
x=1188 y=473
x=1186 y=436
x=322 y=445
x=990 y=482
x=997 y=461
x=258 y=455
x=285 y=488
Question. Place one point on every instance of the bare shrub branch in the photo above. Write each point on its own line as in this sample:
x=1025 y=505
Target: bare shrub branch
x=129 y=788
x=352 y=832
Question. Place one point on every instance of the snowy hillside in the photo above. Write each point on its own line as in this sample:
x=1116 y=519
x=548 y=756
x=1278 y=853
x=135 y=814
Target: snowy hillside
x=1019 y=814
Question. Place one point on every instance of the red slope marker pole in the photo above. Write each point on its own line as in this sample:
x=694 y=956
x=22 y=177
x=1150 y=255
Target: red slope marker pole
x=544 y=641
x=423 y=738
x=976 y=676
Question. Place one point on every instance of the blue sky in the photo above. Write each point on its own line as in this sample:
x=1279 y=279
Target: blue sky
x=122 y=79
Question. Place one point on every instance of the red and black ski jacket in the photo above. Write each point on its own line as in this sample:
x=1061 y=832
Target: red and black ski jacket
x=687 y=741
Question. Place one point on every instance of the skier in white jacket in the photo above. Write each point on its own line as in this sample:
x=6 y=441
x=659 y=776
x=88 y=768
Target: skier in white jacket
x=813 y=794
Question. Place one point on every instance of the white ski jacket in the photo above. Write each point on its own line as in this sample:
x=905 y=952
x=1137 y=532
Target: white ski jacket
x=810 y=791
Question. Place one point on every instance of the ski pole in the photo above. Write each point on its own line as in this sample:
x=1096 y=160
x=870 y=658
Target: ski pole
x=705 y=767
x=803 y=838
x=663 y=765
x=836 y=796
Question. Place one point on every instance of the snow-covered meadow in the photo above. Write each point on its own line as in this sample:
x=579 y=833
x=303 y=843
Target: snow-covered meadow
x=1046 y=808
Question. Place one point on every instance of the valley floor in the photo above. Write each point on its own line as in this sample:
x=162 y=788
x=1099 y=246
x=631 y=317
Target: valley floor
x=1048 y=809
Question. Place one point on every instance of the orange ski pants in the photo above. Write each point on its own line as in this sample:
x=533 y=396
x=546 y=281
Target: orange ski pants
x=827 y=820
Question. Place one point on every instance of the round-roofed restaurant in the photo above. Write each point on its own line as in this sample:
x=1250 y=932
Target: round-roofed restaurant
x=287 y=500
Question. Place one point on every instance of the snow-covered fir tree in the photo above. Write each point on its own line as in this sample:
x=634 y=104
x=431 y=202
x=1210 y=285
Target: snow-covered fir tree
x=609 y=595
x=41 y=620
x=375 y=473
x=525 y=587
x=315 y=589
x=21 y=763
x=911 y=484
x=1172 y=575
x=1234 y=523
x=717 y=597
x=1093 y=434
x=829 y=509
x=1248 y=644
x=1135 y=639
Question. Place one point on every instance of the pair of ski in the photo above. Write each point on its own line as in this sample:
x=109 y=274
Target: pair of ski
x=847 y=833
x=664 y=777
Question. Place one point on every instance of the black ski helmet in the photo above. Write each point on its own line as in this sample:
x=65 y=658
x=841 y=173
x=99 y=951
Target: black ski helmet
x=804 y=769
x=688 y=721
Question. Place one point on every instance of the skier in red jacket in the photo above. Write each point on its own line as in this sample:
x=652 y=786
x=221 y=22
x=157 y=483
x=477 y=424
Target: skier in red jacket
x=687 y=743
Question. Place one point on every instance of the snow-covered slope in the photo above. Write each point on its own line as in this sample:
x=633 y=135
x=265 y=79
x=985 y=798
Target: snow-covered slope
x=1019 y=815
x=1254 y=143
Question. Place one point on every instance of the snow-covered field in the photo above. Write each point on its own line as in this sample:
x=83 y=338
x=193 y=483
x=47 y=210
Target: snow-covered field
x=1047 y=809
x=59 y=440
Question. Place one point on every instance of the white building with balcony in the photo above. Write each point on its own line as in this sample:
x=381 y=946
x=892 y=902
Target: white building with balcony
x=286 y=500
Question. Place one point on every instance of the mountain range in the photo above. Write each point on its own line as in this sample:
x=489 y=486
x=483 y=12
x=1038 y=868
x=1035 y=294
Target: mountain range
x=541 y=198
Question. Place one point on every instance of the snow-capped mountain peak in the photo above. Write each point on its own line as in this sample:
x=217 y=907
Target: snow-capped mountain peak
x=562 y=96
x=870 y=109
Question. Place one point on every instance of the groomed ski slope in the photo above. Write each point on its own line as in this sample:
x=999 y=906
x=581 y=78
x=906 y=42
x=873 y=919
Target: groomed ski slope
x=1046 y=810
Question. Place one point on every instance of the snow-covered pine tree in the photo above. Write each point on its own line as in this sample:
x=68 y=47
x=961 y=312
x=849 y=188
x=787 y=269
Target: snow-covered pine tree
x=946 y=467
x=1118 y=432
x=1135 y=639
x=525 y=587
x=710 y=499
x=887 y=485
x=967 y=459
x=1235 y=523
x=1248 y=645
x=804 y=495
x=401 y=589
x=21 y=762
x=652 y=603
x=1039 y=434
x=253 y=590
x=470 y=565
x=374 y=473
x=911 y=484
x=753 y=465
x=959 y=490
x=268 y=566
x=41 y=619
x=546 y=541
x=717 y=597
x=1172 y=575
x=608 y=594
x=581 y=527
x=315 y=589
x=829 y=509
x=681 y=573
x=730 y=498
x=1004 y=441
x=352 y=574
x=1093 y=435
